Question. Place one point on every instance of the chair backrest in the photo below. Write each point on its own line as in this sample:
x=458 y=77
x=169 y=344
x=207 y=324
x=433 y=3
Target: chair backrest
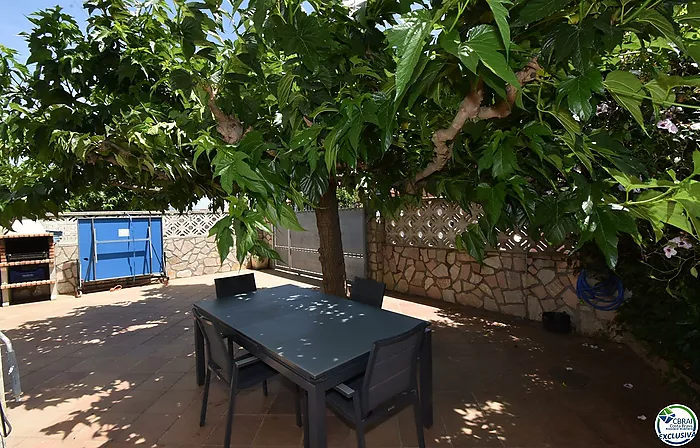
x=367 y=291
x=392 y=368
x=235 y=284
x=218 y=352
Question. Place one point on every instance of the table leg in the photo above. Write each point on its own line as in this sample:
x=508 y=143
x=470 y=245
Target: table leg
x=305 y=415
x=317 y=418
x=200 y=366
x=426 y=379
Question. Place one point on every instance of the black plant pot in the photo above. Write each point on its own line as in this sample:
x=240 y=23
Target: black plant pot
x=556 y=322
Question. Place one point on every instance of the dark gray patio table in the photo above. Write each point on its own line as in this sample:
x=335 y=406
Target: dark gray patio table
x=314 y=339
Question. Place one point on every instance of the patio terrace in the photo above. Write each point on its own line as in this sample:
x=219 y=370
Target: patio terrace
x=116 y=369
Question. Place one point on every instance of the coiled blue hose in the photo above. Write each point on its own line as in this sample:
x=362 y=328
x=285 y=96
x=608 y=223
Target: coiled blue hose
x=607 y=295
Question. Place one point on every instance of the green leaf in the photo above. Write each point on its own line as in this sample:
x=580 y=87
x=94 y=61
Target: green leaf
x=253 y=146
x=482 y=45
x=181 y=79
x=232 y=168
x=284 y=87
x=659 y=95
x=499 y=156
x=288 y=219
x=693 y=51
x=314 y=185
x=365 y=71
x=326 y=107
x=223 y=236
x=304 y=36
x=203 y=144
x=694 y=272
x=535 y=10
x=225 y=166
x=688 y=196
x=473 y=241
x=313 y=157
x=661 y=23
x=504 y=161
x=450 y=42
x=574 y=43
x=263 y=250
x=631 y=183
x=605 y=235
x=243 y=169
x=624 y=222
x=696 y=163
x=661 y=212
x=612 y=33
x=603 y=144
x=565 y=118
x=409 y=38
x=500 y=15
x=692 y=17
x=492 y=198
x=579 y=90
x=557 y=230
x=428 y=80
x=261 y=8
x=306 y=137
x=332 y=147
x=627 y=90
x=669 y=82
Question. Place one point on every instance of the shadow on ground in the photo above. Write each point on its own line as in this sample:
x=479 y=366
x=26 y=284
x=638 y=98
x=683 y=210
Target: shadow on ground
x=117 y=369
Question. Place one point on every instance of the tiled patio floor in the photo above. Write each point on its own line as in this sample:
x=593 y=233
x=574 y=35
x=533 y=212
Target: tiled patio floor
x=116 y=370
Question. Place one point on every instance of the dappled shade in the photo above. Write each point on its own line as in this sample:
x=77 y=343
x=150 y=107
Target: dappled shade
x=119 y=366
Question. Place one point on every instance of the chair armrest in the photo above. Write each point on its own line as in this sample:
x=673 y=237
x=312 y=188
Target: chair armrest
x=345 y=390
x=246 y=361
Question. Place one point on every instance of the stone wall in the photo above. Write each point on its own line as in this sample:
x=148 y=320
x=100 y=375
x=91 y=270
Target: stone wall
x=66 y=268
x=518 y=278
x=195 y=256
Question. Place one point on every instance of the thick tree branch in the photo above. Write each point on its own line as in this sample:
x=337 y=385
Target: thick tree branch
x=230 y=127
x=471 y=109
x=503 y=108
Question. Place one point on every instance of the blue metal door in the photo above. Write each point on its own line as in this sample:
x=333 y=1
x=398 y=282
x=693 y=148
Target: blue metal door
x=112 y=248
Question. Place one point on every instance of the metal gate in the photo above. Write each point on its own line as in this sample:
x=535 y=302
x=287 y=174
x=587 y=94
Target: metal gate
x=299 y=250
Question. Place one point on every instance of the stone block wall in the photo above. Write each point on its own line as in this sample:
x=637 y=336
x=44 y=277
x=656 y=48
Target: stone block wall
x=517 y=279
x=196 y=255
x=66 y=268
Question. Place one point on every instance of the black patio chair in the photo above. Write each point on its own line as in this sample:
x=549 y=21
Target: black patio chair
x=235 y=284
x=367 y=291
x=238 y=372
x=388 y=386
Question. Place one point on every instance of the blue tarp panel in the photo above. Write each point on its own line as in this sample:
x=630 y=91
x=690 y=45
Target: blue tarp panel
x=120 y=247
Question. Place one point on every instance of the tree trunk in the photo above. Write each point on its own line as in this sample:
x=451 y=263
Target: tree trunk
x=331 y=244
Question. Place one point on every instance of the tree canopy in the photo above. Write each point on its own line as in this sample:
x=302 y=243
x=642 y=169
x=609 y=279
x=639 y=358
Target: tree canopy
x=504 y=107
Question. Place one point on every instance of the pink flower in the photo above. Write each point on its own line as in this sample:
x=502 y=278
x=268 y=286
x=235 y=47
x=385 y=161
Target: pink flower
x=682 y=243
x=669 y=251
x=685 y=245
x=667 y=125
